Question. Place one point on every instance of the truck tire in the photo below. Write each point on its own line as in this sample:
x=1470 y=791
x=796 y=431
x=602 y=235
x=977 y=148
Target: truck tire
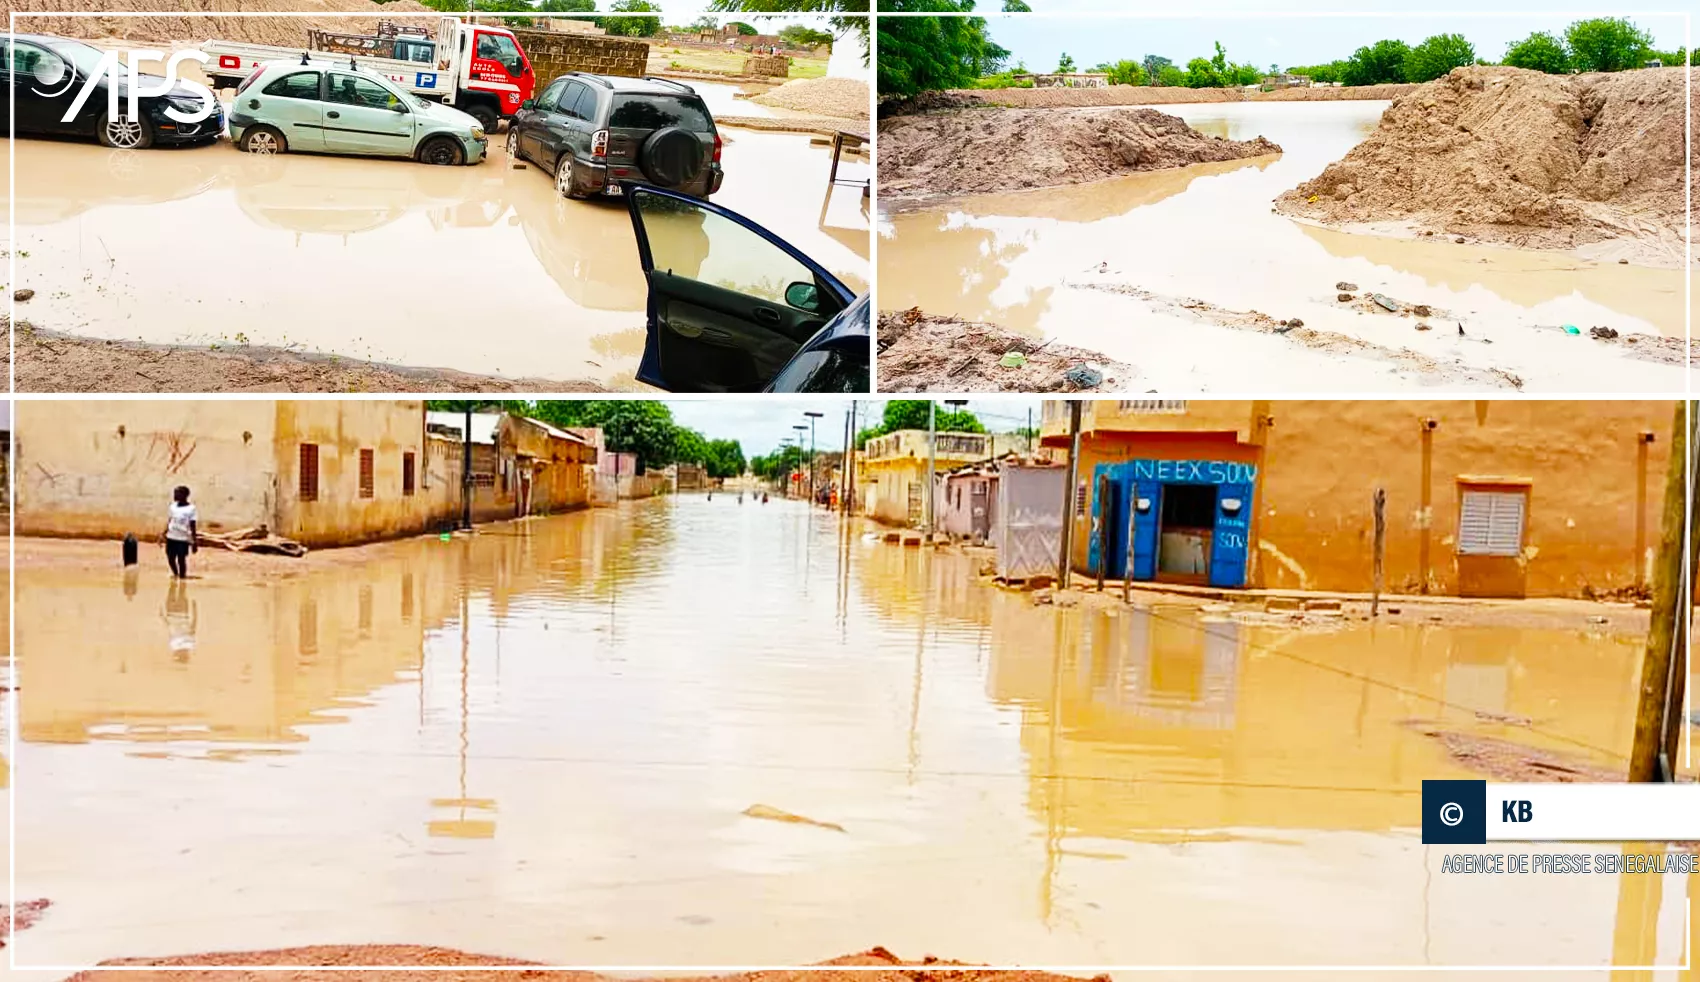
x=486 y=116
x=264 y=140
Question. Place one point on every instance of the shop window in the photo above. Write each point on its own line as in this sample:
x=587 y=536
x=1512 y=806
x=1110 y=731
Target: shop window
x=366 y=484
x=407 y=477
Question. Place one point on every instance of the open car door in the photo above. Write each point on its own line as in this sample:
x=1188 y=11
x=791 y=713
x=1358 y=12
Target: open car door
x=729 y=301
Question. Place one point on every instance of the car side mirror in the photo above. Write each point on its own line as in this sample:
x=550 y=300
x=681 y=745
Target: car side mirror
x=803 y=296
x=528 y=104
x=398 y=107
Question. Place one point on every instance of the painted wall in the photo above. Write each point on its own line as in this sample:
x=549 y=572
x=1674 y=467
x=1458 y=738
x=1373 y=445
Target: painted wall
x=1595 y=485
x=342 y=429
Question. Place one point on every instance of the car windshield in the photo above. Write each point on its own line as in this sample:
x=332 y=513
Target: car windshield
x=413 y=101
x=85 y=57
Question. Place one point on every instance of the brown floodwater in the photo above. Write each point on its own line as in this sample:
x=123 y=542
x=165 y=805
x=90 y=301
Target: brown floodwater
x=566 y=739
x=483 y=269
x=1208 y=232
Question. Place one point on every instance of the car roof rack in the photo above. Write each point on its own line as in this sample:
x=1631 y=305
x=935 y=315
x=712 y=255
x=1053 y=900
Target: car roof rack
x=593 y=77
x=668 y=81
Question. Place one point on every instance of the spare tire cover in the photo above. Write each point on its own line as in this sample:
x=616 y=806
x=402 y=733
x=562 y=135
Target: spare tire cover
x=671 y=157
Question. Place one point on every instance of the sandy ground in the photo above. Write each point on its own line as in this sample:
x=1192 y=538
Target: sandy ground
x=921 y=353
x=1593 y=163
x=348 y=955
x=975 y=151
x=52 y=362
x=845 y=97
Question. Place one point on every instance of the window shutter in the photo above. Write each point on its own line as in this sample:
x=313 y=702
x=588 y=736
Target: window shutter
x=1490 y=523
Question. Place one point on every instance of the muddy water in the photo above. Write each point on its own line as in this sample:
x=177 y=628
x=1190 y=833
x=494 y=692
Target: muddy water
x=1207 y=232
x=543 y=742
x=485 y=269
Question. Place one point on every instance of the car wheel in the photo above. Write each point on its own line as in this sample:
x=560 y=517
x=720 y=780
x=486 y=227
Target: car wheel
x=564 y=176
x=487 y=117
x=264 y=140
x=123 y=133
x=512 y=145
x=442 y=151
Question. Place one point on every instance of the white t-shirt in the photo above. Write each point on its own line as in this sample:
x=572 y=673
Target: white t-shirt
x=177 y=528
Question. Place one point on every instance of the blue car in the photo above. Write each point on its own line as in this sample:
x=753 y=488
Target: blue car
x=734 y=308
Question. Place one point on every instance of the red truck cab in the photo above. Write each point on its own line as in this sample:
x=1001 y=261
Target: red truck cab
x=496 y=66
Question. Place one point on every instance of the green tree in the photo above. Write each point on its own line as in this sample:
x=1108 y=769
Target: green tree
x=1065 y=64
x=800 y=36
x=689 y=447
x=1377 y=64
x=911 y=414
x=743 y=28
x=1668 y=58
x=1201 y=74
x=1124 y=72
x=567 y=6
x=1170 y=76
x=1016 y=7
x=839 y=13
x=641 y=426
x=1437 y=55
x=1331 y=72
x=1607 y=44
x=725 y=458
x=1219 y=63
x=1247 y=74
x=634 y=27
x=1539 y=52
x=1154 y=65
x=924 y=54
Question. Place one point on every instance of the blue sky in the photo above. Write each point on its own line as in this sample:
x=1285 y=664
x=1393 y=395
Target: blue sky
x=1303 y=34
x=760 y=424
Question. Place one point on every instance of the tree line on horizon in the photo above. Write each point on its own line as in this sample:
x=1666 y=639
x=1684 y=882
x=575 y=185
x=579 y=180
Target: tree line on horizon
x=920 y=54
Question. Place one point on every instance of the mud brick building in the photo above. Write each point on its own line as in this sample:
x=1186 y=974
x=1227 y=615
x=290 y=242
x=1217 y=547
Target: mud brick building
x=1484 y=498
x=554 y=53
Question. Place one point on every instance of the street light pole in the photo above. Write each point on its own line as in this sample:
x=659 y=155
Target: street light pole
x=812 y=417
x=932 y=459
x=799 y=427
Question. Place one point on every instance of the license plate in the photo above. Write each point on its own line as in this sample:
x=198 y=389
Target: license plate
x=612 y=190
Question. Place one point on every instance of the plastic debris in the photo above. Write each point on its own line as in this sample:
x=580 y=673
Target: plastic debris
x=1012 y=359
x=1083 y=377
x=1572 y=329
x=1386 y=302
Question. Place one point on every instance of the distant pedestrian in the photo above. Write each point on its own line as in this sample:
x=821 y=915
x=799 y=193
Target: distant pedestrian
x=180 y=529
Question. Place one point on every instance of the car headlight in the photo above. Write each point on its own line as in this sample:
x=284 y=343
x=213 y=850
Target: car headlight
x=478 y=132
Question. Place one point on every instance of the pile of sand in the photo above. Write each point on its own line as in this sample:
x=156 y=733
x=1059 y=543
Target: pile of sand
x=1520 y=158
x=873 y=965
x=979 y=150
x=920 y=352
x=845 y=98
x=283 y=31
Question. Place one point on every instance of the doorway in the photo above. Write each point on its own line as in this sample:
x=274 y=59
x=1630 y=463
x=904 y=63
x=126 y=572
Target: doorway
x=1185 y=528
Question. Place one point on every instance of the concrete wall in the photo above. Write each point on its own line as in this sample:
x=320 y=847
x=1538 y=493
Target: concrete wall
x=1595 y=485
x=342 y=429
x=106 y=468
x=556 y=53
x=100 y=468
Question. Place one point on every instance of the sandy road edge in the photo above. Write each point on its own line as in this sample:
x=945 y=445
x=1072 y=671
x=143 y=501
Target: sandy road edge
x=49 y=361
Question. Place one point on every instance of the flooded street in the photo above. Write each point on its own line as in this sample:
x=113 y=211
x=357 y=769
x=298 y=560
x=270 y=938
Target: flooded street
x=1042 y=262
x=564 y=739
x=485 y=269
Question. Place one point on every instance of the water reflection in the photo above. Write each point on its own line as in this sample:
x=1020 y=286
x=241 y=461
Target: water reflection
x=563 y=722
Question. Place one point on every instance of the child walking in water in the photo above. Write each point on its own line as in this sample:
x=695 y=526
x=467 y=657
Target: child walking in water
x=180 y=533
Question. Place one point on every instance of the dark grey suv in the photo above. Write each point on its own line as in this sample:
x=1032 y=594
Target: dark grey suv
x=594 y=131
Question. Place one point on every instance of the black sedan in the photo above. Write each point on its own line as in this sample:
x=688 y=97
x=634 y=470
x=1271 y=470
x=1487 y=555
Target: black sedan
x=45 y=74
